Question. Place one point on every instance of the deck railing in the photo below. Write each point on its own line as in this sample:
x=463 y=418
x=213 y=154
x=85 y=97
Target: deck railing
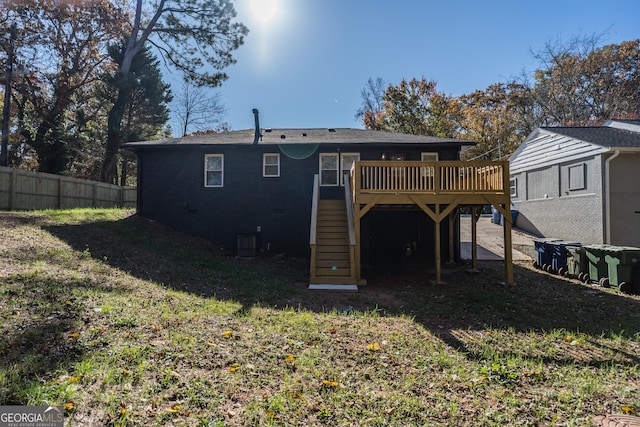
x=429 y=177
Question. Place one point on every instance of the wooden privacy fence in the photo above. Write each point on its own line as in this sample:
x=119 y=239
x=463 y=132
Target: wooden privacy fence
x=26 y=190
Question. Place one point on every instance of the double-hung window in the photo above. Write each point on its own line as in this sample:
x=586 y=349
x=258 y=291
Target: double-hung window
x=328 y=169
x=428 y=171
x=214 y=170
x=271 y=165
x=346 y=162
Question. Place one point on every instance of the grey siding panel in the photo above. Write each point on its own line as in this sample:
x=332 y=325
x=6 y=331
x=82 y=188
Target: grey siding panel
x=548 y=149
x=563 y=214
x=576 y=218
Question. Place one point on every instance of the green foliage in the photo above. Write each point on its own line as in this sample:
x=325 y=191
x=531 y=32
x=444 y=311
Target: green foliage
x=59 y=55
x=413 y=107
x=194 y=36
x=578 y=84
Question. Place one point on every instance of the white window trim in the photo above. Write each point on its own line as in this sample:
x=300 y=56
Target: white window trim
x=207 y=156
x=342 y=169
x=429 y=153
x=264 y=165
x=427 y=171
x=337 y=157
x=513 y=189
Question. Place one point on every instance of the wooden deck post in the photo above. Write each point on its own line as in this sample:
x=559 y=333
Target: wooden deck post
x=508 y=261
x=437 y=244
x=474 y=238
x=451 y=217
x=356 y=229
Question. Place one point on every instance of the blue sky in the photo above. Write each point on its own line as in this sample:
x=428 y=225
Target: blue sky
x=306 y=66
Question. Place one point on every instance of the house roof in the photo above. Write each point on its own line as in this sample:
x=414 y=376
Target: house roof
x=300 y=136
x=605 y=136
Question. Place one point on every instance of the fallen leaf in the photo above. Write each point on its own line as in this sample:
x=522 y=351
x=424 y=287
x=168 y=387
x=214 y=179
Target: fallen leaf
x=174 y=409
x=373 y=347
x=626 y=409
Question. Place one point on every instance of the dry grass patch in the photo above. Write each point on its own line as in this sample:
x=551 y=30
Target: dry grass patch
x=128 y=323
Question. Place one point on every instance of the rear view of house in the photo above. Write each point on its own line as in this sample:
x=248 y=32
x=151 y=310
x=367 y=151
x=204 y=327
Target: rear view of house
x=345 y=198
x=580 y=183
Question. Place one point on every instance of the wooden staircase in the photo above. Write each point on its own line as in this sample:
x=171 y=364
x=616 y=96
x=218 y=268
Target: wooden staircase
x=333 y=254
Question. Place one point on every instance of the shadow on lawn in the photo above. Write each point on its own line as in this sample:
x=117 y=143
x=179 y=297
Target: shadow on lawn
x=537 y=303
x=42 y=313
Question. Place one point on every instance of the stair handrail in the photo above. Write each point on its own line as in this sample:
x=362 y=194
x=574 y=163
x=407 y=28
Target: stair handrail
x=349 y=202
x=314 y=209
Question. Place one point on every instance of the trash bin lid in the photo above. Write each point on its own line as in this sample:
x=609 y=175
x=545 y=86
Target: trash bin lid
x=545 y=239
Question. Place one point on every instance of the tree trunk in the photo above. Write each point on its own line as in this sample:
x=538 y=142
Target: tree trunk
x=114 y=134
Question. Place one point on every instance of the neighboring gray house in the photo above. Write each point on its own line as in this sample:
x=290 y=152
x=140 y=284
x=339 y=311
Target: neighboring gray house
x=580 y=183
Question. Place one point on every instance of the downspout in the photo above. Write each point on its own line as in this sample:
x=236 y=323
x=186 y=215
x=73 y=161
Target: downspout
x=607 y=197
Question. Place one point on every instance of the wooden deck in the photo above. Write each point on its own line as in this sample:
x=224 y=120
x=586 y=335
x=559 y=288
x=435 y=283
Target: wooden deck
x=438 y=188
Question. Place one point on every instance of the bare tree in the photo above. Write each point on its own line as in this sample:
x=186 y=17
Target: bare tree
x=197 y=110
x=372 y=97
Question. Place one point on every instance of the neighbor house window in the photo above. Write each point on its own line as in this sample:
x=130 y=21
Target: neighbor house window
x=271 y=164
x=577 y=177
x=346 y=162
x=214 y=170
x=328 y=169
x=513 y=187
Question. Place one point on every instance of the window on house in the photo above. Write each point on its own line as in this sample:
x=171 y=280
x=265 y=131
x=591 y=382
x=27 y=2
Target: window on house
x=214 y=170
x=346 y=162
x=393 y=156
x=513 y=187
x=328 y=169
x=271 y=164
x=429 y=157
x=577 y=177
x=428 y=171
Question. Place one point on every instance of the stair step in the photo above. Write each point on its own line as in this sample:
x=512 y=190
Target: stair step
x=330 y=272
x=335 y=233
x=335 y=249
x=333 y=253
x=344 y=280
x=343 y=238
x=343 y=264
x=332 y=256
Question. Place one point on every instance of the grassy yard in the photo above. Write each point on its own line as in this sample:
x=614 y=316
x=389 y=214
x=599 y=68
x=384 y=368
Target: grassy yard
x=127 y=323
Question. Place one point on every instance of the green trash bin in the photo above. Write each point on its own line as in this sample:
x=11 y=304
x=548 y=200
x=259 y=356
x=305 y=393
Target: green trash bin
x=577 y=265
x=622 y=262
x=597 y=268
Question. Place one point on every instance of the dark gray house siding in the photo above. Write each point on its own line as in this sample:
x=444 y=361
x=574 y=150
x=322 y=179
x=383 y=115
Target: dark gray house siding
x=172 y=190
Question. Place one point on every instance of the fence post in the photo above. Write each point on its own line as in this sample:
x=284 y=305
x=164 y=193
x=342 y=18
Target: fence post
x=120 y=202
x=12 y=189
x=94 y=196
x=60 y=192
